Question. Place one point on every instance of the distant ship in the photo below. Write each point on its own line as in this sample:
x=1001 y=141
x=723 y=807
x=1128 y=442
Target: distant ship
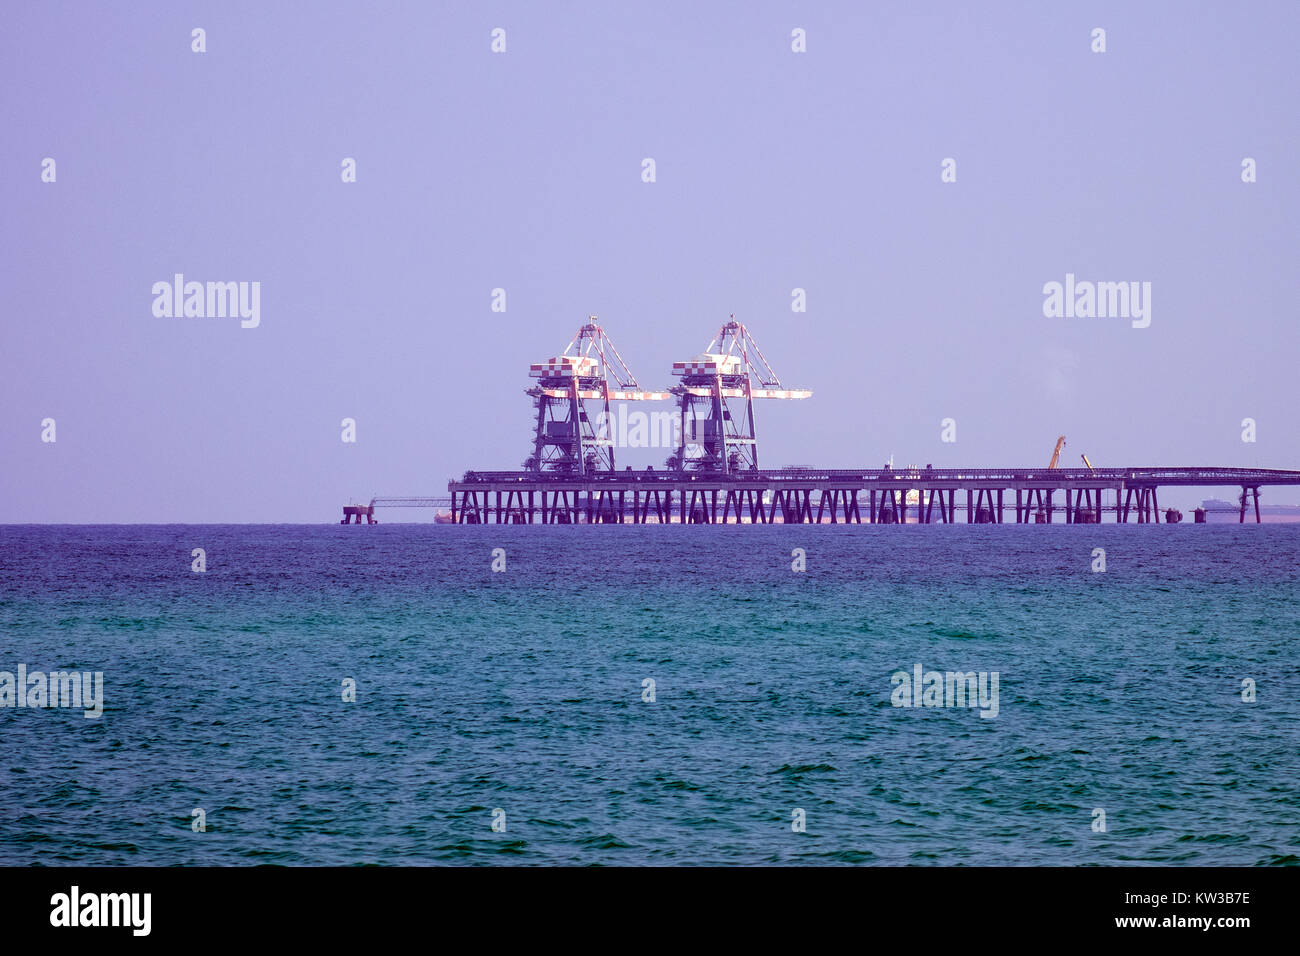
x=1218 y=511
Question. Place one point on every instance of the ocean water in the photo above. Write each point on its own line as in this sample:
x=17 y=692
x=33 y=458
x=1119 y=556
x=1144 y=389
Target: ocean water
x=522 y=691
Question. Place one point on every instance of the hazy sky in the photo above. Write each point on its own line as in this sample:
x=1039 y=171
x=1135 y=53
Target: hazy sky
x=522 y=170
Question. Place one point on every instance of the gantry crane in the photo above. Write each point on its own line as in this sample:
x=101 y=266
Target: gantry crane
x=571 y=386
x=716 y=398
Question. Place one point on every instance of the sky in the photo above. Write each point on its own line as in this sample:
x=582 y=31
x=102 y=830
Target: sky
x=522 y=170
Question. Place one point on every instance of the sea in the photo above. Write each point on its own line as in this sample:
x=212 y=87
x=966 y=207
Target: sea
x=653 y=695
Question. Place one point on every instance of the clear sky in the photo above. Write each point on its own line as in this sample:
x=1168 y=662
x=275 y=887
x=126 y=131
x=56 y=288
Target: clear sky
x=522 y=170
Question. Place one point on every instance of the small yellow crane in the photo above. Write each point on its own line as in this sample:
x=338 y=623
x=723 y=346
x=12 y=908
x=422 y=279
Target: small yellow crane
x=1056 y=454
x=1088 y=464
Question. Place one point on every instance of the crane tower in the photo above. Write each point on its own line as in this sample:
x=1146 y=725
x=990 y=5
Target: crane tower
x=716 y=397
x=572 y=396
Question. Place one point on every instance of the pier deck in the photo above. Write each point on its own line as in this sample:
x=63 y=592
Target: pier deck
x=880 y=496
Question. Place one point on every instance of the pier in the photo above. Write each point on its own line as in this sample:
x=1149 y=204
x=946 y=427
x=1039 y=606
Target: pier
x=713 y=475
x=357 y=514
x=871 y=496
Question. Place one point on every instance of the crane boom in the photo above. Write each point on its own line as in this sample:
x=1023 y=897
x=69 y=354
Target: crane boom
x=1056 y=454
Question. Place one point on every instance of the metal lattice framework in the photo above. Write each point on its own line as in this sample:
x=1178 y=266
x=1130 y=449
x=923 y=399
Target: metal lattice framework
x=572 y=397
x=716 y=399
